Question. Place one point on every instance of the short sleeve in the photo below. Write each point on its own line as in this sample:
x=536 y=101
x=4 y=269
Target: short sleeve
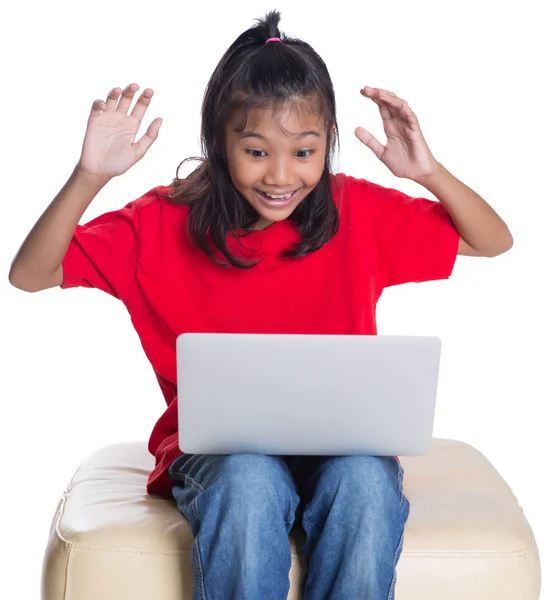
x=416 y=239
x=103 y=253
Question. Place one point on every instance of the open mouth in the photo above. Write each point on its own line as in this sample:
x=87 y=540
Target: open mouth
x=276 y=200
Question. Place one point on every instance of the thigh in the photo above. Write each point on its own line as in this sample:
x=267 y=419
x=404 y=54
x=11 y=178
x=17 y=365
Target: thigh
x=203 y=470
x=247 y=479
x=360 y=471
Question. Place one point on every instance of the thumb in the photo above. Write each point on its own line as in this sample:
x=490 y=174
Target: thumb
x=144 y=143
x=369 y=140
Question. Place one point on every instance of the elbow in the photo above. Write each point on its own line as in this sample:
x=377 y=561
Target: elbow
x=32 y=281
x=509 y=243
x=503 y=247
x=19 y=281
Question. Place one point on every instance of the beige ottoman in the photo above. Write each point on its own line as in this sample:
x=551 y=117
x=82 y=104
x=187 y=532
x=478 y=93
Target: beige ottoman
x=466 y=537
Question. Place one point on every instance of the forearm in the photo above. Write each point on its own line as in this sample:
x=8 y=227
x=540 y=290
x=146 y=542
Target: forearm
x=475 y=220
x=45 y=246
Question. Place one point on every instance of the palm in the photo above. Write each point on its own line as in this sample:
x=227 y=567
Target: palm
x=400 y=149
x=110 y=146
x=406 y=153
x=109 y=143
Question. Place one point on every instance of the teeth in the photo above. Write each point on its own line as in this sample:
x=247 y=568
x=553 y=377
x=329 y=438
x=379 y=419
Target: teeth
x=278 y=197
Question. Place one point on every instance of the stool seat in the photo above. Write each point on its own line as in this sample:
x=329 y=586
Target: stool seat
x=466 y=537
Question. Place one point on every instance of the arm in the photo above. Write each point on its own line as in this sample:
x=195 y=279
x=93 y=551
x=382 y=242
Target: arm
x=108 y=150
x=482 y=231
x=38 y=263
x=406 y=154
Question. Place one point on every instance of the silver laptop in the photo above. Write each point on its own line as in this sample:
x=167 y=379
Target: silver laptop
x=306 y=394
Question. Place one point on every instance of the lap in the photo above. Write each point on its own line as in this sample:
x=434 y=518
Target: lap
x=301 y=472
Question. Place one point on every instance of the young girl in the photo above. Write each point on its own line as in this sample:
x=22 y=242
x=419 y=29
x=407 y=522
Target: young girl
x=263 y=238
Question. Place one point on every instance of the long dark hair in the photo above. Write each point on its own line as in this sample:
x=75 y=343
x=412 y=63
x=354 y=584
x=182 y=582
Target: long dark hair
x=251 y=74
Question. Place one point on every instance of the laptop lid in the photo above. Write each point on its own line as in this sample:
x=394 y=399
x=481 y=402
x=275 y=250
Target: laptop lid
x=306 y=394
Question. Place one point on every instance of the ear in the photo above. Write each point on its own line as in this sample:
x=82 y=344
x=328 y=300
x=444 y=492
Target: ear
x=332 y=132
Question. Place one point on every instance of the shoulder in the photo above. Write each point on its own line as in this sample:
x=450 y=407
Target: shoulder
x=154 y=198
x=359 y=194
x=358 y=198
x=358 y=188
x=156 y=208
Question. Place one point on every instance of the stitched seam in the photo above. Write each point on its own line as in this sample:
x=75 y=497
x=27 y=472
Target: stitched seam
x=398 y=551
x=197 y=557
x=70 y=545
x=199 y=576
x=391 y=589
x=117 y=550
x=400 y=484
x=195 y=507
x=61 y=541
x=68 y=575
x=63 y=506
x=514 y=553
x=462 y=556
x=520 y=579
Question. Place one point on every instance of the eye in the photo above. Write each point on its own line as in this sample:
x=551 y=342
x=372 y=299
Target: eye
x=299 y=154
x=254 y=153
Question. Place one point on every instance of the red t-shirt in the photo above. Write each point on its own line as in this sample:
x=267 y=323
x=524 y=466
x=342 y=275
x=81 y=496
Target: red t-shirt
x=141 y=254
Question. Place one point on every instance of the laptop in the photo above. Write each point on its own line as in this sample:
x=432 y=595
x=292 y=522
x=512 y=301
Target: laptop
x=306 y=394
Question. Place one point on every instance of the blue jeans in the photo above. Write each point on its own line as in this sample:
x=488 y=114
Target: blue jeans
x=242 y=507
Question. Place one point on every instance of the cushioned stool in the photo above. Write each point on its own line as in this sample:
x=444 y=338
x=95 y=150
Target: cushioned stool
x=466 y=538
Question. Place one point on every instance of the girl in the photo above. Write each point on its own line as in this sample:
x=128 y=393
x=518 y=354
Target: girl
x=263 y=238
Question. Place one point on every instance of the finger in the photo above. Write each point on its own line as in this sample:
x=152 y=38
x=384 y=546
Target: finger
x=378 y=95
x=144 y=143
x=386 y=112
x=398 y=108
x=394 y=106
x=375 y=95
x=97 y=108
x=389 y=98
x=112 y=97
x=126 y=98
x=370 y=92
x=143 y=102
x=369 y=140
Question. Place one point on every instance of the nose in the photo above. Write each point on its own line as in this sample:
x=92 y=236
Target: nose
x=278 y=174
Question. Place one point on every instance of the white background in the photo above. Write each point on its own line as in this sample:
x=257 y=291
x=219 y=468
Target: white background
x=481 y=78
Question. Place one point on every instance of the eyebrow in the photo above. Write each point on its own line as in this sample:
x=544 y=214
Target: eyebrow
x=298 y=136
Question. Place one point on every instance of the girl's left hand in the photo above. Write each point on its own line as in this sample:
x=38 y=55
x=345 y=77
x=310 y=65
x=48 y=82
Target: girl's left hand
x=406 y=153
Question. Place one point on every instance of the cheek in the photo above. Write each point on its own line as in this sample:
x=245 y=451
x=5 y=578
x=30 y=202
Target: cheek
x=313 y=172
x=244 y=173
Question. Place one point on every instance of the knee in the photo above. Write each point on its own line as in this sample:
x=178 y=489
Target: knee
x=256 y=480
x=370 y=480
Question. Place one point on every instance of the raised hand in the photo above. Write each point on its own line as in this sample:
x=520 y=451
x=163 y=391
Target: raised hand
x=109 y=147
x=406 y=153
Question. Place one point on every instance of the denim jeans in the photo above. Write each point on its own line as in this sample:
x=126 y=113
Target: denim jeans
x=242 y=507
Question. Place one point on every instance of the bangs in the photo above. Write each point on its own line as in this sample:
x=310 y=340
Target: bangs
x=242 y=103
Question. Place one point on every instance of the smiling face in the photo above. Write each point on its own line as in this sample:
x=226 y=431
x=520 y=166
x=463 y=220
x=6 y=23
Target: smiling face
x=277 y=159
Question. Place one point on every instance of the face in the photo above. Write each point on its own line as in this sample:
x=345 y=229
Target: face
x=277 y=160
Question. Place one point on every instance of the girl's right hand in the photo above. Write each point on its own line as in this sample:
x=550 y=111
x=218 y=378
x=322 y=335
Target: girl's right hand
x=109 y=148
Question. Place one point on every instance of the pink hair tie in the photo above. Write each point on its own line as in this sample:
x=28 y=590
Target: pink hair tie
x=272 y=40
